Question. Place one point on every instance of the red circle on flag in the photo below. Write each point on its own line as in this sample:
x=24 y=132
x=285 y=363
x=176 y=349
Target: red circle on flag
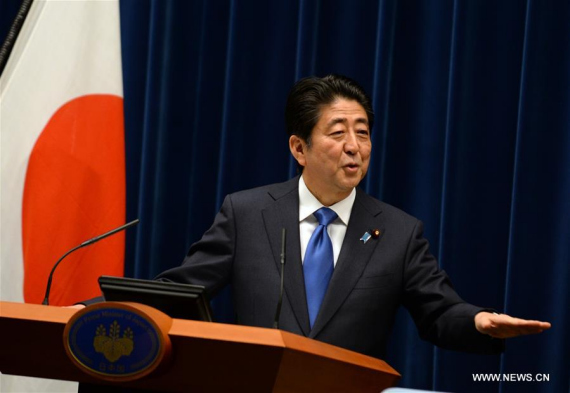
x=75 y=190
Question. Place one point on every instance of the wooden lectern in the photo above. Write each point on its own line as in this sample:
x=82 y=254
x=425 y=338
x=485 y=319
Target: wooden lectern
x=206 y=357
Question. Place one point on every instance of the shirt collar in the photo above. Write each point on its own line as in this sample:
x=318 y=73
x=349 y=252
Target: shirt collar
x=308 y=204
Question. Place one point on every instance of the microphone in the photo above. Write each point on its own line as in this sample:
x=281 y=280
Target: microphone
x=84 y=244
x=278 y=312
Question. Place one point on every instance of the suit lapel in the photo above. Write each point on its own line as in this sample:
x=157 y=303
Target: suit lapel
x=353 y=258
x=284 y=213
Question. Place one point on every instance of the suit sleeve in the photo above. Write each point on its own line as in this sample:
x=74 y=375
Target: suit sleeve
x=209 y=261
x=440 y=315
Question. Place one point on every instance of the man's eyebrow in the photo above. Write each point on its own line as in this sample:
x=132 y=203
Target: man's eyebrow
x=337 y=120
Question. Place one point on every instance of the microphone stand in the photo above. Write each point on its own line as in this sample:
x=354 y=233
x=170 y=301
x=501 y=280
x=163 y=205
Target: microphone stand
x=84 y=244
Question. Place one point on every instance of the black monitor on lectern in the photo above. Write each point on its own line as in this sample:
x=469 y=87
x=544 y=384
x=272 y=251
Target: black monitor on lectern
x=183 y=301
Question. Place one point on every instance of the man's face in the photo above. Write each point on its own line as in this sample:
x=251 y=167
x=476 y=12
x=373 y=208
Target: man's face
x=339 y=153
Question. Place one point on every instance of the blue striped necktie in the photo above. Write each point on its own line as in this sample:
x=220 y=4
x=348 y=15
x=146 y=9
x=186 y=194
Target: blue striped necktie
x=318 y=265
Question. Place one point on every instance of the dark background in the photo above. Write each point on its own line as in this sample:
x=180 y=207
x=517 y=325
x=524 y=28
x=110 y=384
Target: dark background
x=472 y=136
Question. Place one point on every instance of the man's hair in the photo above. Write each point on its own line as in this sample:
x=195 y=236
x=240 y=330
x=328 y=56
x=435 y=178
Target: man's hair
x=309 y=95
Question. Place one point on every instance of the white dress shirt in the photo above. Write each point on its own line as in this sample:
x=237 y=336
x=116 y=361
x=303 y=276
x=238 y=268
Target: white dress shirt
x=308 y=204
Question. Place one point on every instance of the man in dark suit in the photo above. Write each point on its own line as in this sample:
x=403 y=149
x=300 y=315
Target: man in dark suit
x=352 y=260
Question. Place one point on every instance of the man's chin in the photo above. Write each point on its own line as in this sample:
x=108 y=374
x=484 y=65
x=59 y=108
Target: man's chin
x=350 y=182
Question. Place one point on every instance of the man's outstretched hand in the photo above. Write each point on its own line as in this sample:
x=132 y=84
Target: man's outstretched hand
x=504 y=326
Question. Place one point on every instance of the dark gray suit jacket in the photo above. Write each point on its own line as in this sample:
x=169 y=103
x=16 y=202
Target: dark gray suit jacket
x=370 y=281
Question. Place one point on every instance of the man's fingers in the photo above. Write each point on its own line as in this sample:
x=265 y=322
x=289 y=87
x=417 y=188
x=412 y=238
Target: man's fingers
x=77 y=306
x=505 y=326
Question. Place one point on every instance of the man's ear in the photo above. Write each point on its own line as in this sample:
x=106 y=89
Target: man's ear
x=298 y=148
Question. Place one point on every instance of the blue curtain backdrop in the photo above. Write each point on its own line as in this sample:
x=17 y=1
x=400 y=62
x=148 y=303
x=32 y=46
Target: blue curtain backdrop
x=472 y=100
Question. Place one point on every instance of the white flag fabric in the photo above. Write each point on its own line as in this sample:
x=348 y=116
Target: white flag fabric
x=62 y=178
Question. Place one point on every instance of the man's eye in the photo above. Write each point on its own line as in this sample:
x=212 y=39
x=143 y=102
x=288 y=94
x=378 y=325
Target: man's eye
x=364 y=132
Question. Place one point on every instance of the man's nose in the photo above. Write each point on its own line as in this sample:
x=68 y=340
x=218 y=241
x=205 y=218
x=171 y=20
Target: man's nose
x=351 y=143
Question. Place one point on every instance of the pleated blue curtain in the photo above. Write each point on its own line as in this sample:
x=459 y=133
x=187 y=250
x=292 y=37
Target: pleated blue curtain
x=472 y=136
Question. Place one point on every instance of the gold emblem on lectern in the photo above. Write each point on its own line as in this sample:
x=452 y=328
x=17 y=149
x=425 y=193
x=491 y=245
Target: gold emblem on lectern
x=112 y=346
